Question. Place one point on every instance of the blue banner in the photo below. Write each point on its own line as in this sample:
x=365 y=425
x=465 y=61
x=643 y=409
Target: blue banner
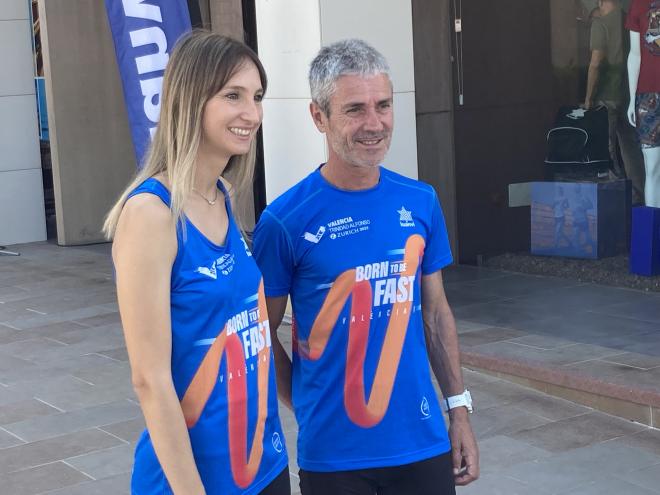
x=144 y=34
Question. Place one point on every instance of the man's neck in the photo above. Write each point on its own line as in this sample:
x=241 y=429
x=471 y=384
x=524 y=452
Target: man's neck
x=350 y=177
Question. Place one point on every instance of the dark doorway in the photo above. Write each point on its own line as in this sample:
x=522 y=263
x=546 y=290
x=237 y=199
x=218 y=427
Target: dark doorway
x=500 y=129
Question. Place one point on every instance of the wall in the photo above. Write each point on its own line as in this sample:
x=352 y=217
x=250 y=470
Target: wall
x=91 y=148
x=290 y=33
x=22 y=216
x=434 y=92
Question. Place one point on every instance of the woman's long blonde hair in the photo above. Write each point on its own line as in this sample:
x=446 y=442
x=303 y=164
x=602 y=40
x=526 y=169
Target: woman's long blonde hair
x=200 y=65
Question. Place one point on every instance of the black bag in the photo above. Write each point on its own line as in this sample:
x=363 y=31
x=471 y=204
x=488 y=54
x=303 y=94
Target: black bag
x=578 y=145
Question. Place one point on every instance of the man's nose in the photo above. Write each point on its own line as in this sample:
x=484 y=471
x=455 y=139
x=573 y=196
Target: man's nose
x=372 y=120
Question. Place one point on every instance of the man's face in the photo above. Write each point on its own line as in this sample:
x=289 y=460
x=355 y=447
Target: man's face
x=359 y=128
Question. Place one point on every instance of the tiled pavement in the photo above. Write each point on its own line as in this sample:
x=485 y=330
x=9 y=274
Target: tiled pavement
x=69 y=420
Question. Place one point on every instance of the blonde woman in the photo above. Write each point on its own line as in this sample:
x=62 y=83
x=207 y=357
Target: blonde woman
x=190 y=296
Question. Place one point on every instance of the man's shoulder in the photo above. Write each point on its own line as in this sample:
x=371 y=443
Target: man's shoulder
x=406 y=183
x=293 y=201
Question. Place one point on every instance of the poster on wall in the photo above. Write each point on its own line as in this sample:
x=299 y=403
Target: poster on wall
x=144 y=35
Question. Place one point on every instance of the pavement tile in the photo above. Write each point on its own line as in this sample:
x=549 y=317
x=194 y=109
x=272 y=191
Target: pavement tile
x=648 y=439
x=577 y=432
x=494 y=484
x=100 y=320
x=54 y=425
x=500 y=452
x=604 y=370
x=609 y=458
x=643 y=307
x=104 y=463
x=643 y=361
x=648 y=477
x=610 y=486
x=464 y=273
x=115 y=485
x=22 y=410
x=9 y=440
x=551 y=408
x=54 y=449
x=41 y=478
x=458 y=295
x=504 y=420
x=543 y=342
x=464 y=326
x=497 y=393
x=129 y=430
x=69 y=393
x=517 y=285
x=488 y=336
x=30 y=349
x=119 y=354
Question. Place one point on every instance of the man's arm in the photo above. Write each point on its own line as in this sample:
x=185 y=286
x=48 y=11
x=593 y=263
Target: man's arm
x=597 y=57
x=276 y=308
x=443 y=350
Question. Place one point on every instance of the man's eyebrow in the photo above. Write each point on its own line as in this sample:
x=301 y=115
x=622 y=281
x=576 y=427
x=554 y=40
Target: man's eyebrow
x=353 y=104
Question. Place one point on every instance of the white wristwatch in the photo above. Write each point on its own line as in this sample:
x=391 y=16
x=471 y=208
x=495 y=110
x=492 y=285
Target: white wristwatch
x=463 y=400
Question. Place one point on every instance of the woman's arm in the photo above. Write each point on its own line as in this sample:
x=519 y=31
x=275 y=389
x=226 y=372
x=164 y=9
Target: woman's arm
x=143 y=252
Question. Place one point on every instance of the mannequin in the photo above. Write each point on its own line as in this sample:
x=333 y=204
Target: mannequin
x=644 y=82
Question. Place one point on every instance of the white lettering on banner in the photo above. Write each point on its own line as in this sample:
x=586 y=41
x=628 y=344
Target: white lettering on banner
x=150 y=36
x=151 y=90
x=136 y=8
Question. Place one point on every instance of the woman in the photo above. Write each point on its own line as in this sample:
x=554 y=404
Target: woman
x=190 y=295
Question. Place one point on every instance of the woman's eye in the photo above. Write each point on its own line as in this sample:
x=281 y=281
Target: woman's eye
x=258 y=98
x=232 y=96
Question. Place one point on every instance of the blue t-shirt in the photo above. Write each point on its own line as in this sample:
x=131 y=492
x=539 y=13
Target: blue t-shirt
x=352 y=262
x=222 y=366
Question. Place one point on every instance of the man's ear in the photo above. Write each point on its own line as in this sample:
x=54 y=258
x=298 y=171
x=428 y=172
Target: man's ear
x=318 y=116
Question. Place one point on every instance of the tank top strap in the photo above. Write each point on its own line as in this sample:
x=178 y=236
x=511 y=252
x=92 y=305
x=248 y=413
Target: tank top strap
x=152 y=186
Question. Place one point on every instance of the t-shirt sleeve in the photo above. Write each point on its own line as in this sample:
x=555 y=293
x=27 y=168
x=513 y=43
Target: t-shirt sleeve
x=273 y=251
x=634 y=17
x=437 y=253
x=598 y=39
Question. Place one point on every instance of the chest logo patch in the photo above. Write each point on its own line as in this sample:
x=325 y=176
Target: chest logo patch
x=315 y=238
x=405 y=217
x=225 y=264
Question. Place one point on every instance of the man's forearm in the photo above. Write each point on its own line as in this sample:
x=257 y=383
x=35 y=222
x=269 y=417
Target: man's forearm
x=592 y=81
x=443 y=349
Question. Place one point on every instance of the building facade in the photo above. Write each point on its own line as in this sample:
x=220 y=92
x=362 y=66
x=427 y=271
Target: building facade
x=476 y=87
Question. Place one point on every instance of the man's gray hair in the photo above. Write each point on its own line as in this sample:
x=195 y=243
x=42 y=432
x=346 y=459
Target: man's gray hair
x=352 y=57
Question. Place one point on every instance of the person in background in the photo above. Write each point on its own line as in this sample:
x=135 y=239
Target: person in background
x=607 y=85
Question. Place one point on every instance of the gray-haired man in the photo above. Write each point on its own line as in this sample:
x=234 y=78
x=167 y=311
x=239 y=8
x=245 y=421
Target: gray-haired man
x=360 y=250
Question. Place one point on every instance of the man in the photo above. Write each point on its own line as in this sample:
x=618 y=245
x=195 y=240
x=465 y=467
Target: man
x=606 y=85
x=360 y=250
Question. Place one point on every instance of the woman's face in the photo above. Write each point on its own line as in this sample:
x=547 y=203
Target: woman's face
x=232 y=116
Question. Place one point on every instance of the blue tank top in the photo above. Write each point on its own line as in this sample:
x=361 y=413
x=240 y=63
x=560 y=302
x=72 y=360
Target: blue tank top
x=222 y=365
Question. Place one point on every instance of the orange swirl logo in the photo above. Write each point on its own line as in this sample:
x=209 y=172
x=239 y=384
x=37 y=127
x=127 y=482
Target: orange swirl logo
x=243 y=467
x=363 y=412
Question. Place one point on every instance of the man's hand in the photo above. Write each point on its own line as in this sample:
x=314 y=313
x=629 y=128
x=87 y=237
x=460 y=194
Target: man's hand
x=587 y=105
x=464 y=450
